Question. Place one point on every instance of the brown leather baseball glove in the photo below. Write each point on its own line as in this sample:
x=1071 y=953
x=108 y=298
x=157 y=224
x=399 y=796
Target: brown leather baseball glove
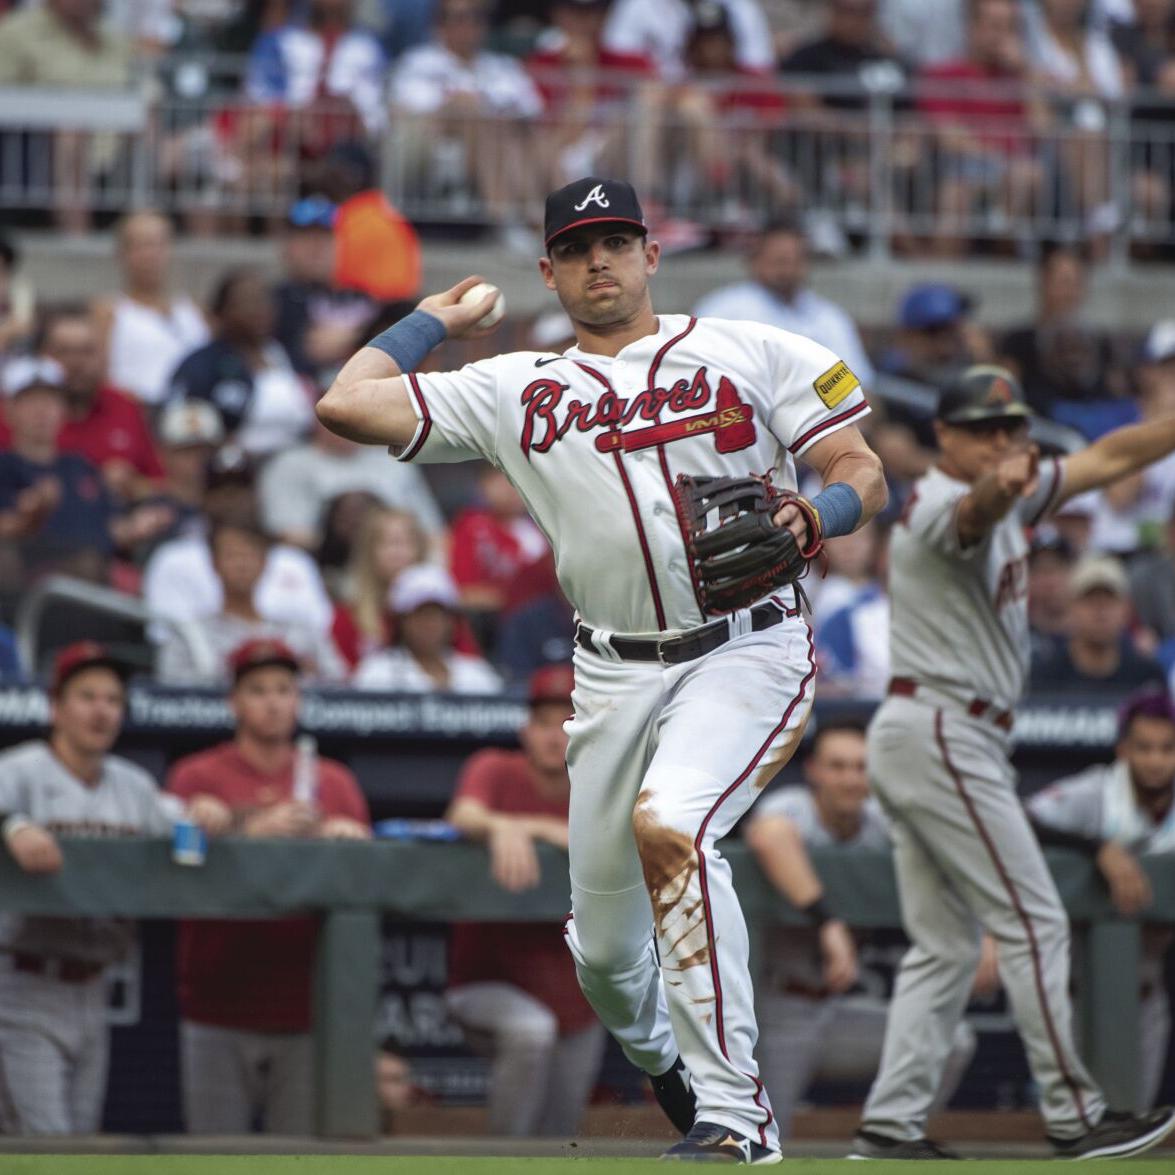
x=737 y=554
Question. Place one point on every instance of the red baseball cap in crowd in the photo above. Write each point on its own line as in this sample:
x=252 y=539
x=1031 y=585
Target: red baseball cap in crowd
x=84 y=655
x=260 y=653
x=551 y=683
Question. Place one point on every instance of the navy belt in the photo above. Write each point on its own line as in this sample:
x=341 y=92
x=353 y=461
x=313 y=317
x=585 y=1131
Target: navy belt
x=686 y=646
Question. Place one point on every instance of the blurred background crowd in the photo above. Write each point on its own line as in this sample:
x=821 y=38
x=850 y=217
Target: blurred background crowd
x=161 y=442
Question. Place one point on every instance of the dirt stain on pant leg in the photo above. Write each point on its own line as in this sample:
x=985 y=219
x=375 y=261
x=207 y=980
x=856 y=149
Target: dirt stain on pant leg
x=670 y=862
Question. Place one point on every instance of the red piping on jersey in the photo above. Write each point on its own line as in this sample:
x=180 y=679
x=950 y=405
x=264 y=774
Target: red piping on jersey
x=825 y=425
x=710 y=937
x=425 y=421
x=1048 y=498
x=654 y=367
x=646 y=553
x=1021 y=913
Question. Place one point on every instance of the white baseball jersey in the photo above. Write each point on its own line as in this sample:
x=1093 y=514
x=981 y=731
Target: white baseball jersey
x=593 y=443
x=124 y=802
x=959 y=618
x=792 y=953
x=1099 y=803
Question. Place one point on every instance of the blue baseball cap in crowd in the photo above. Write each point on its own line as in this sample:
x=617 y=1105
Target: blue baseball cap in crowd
x=933 y=304
x=312 y=212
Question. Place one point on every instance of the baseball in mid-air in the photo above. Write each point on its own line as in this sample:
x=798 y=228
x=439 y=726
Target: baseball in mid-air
x=477 y=294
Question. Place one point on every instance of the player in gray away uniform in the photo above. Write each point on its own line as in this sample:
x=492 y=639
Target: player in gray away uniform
x=1114 y=811
x=817 y=1019
x=53 y=1036
x=939 y=745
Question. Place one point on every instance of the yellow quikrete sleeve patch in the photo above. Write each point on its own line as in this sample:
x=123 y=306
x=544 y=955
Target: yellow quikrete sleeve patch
x=835 y=384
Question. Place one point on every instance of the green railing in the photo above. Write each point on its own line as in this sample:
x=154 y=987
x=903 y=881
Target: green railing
x=353 y=884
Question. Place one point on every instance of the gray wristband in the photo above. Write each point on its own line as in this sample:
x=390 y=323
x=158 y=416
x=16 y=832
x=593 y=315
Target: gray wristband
x=408 y=341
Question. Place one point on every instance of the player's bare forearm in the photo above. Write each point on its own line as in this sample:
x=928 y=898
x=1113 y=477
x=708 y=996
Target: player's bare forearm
x=1117 y=454
x=369 y=400
x=780 y=851
x=995 y=493
x=846 y=457
x=374 y=410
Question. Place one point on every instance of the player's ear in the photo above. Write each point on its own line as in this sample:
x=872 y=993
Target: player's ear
x=652 y=256
x=548 y=272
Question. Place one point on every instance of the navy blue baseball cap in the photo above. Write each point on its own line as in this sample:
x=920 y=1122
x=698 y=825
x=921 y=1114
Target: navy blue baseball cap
x=591 y=200
x=933 y=304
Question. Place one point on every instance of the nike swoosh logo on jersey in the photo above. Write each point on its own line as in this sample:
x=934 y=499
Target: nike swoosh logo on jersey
x=544 y=362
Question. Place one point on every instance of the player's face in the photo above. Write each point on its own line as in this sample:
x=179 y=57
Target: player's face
x=543 y=738
x=975 y=449
x=601 y=273
x=836 y=771
x=1149 y=751
x=265 y=703
x=1098 y=616
x=87 y=713
x=427 y=631
x=36 y=415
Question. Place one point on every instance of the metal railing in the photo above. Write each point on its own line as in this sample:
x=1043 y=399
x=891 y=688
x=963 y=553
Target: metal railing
x=915 y=167
x=85 y=596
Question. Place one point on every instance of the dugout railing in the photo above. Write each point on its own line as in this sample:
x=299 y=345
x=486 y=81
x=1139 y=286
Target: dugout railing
x=877 y=163
x=350 y=885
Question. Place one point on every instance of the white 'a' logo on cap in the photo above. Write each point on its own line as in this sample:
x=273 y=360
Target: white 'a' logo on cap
x=595 y=196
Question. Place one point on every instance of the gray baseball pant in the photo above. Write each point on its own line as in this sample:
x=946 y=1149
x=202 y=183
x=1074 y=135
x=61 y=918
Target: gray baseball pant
x=233 y=1078
x=54 y=1049
x=966 y=859
x=802 y=1039
x=540 y=1081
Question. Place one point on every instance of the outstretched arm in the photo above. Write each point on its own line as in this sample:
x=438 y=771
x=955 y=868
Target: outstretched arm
x=1116 y=455
x=369 y=400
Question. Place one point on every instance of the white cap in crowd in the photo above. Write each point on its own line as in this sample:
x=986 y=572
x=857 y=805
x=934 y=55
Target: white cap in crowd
x=420 y=584
x=190 y=422
x=1099 y=573
x=32 y=371
x=1159 y=345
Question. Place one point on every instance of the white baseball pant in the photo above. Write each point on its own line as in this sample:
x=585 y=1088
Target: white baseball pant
x=966 y=858
x=838 y=1038
x=232 y=1079
x=663 y=761
x=54 y=1051
x=540 y=1082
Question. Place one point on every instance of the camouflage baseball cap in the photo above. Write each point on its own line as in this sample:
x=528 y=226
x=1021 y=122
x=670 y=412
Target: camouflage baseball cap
x=983 y=392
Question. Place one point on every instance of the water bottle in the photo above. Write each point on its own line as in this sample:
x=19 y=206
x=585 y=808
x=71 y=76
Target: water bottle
x=306 y=770
x=400 y=829
x=189 y=843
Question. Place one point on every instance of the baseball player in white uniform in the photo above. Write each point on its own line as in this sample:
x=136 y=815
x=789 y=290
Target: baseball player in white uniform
x=1116 y=811
x=818 y=1020
x=965 y=853
x=680 y=720
x=53 y=1035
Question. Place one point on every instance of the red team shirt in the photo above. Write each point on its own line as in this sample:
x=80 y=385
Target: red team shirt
x=253 y=975
x=528 y=955
x=114 y=429
x=485 y=550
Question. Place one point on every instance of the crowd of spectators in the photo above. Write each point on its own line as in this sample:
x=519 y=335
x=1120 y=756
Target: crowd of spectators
x=170 y=451
x=725 y=110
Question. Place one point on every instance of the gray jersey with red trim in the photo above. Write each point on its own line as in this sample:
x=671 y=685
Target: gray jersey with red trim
x=959 y=615
x=1100 y=803
x=593 y=443
x=125 y=801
